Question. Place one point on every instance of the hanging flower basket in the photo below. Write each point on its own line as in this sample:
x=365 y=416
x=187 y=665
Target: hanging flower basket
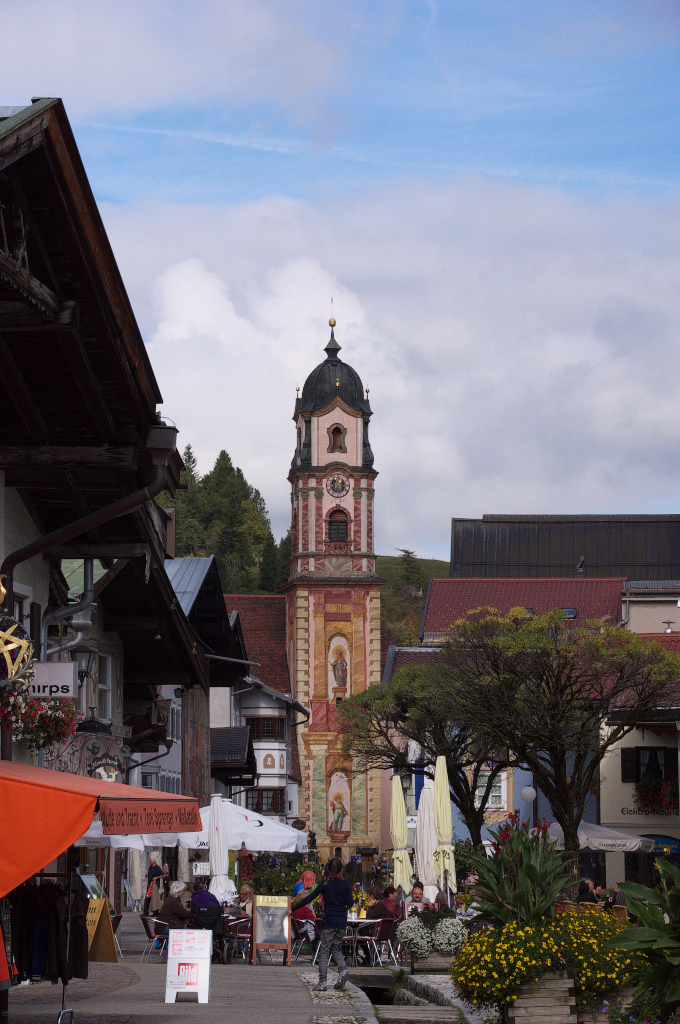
x=48 y=721
x=16 y=669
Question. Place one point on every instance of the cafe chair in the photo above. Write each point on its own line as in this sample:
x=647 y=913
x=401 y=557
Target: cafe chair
x=239 y=933
x=368 y=935
x=620 y=912
x=210 y=920
x=300 y=939
x=151 y=938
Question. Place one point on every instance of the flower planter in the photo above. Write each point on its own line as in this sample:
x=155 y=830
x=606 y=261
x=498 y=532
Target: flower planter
x=623 y=998
x=433 y=963
x=550 y=1000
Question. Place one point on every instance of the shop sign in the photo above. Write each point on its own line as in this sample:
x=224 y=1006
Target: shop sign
x=55 y=679
x=201 y=867
x=411 y=821
x=188 y=968
x=106 y=767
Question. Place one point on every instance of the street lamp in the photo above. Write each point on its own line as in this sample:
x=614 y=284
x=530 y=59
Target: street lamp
x=528 y=794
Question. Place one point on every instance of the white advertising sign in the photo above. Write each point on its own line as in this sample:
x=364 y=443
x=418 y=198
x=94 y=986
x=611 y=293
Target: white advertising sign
x=201 y=867
x=411 y=821
x=55 y=679
x=188 y=968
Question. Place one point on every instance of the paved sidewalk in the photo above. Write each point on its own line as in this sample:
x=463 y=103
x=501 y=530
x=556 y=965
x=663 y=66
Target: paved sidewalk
x=134 y=993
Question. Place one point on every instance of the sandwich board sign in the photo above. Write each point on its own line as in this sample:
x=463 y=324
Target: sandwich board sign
x=101 y=943
x=271 y=926
x=188 y=969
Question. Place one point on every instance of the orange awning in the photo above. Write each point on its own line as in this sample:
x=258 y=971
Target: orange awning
x=43 y=812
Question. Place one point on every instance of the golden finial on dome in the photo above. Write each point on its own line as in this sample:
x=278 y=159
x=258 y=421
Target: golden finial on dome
x=367 y=390
x=297 y=388
x=332 y=322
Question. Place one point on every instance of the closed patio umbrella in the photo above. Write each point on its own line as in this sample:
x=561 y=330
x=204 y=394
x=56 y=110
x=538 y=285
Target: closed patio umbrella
x=399 y=834
x=443 y=860
x=426 y=842
x=221 y=885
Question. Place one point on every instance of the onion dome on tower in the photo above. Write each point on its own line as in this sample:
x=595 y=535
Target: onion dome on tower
x=332 y=379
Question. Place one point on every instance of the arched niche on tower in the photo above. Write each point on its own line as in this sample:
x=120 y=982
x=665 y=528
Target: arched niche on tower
x=339 y=667
x=336 y=438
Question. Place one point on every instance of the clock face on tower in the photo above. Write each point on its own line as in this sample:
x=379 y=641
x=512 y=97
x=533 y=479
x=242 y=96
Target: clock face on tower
x=337 y=485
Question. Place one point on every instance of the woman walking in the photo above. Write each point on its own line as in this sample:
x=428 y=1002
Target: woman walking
x=337 y=900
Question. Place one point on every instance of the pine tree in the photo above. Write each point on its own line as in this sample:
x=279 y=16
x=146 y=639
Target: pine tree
x=269 y=566
x=284 y=560
x=410 y=573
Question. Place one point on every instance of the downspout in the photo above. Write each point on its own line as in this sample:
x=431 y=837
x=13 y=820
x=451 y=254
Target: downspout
x=80 y=613
x=624 y=621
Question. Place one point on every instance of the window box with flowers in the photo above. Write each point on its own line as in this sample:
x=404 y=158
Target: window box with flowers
x=657 y=796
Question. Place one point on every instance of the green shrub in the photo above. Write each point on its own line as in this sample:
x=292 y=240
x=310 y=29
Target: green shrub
x=521 y=881
x=656 y=939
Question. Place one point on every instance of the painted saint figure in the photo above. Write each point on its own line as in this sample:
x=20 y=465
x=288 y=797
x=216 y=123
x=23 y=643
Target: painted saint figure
x=339 y=812
x=340 y=667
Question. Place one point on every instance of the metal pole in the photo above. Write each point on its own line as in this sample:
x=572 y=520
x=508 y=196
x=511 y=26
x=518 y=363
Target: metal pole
x=68 y=944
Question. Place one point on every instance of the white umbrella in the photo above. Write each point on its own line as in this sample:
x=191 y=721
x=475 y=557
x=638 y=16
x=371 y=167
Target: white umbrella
x=221 y=885
x=426 y=842
x=443 y=859
x=597 y=837
x=136 y=877
x=183 y=869
x=402 y=861
x=258 y=832
x=95 y=838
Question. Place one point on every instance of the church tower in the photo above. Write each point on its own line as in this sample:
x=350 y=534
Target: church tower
x=333 y=599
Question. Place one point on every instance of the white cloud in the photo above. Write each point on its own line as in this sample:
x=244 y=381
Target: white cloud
x=520 y=344
x=140 y=55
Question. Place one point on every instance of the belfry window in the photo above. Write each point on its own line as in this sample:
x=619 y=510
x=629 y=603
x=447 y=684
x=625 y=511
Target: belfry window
x=337 y=439
x=337 y=526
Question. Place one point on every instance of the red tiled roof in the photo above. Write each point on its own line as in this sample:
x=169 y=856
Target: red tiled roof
x=671 y=641
x=263 y=622
x=593 y=598
x=413 y=656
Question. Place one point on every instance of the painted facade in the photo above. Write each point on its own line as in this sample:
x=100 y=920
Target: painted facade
x=333 y=600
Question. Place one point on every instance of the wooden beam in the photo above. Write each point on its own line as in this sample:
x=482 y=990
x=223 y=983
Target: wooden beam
x=20 y=396
x=88 y=385
x=123 y=549
x=51 y=457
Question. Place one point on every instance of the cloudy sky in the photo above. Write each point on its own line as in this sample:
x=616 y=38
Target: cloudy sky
x=490 y=189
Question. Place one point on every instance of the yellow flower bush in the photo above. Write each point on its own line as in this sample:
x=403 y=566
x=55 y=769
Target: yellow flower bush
x=494 y=962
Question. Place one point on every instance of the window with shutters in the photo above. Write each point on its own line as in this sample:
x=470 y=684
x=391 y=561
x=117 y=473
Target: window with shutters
x=337 y=526
x=639 y=764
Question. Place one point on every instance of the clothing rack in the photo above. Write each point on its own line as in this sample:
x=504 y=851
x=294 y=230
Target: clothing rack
x=70 y=875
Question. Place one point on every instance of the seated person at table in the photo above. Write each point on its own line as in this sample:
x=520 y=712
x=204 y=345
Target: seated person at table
x=202 y=897
x=304 y=916
x=376 y=908
x=173 y=913
x=586 y=892
x=417 y=897
x=245 y=900
x=389 y=898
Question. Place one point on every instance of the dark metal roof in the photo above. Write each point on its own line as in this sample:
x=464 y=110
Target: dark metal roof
x=638 y=547
x=230 y=745
x=187 y=576
x=332 y=379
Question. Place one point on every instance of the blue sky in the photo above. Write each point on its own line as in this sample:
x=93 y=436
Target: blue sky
x=588 y=101
x=490 y=190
